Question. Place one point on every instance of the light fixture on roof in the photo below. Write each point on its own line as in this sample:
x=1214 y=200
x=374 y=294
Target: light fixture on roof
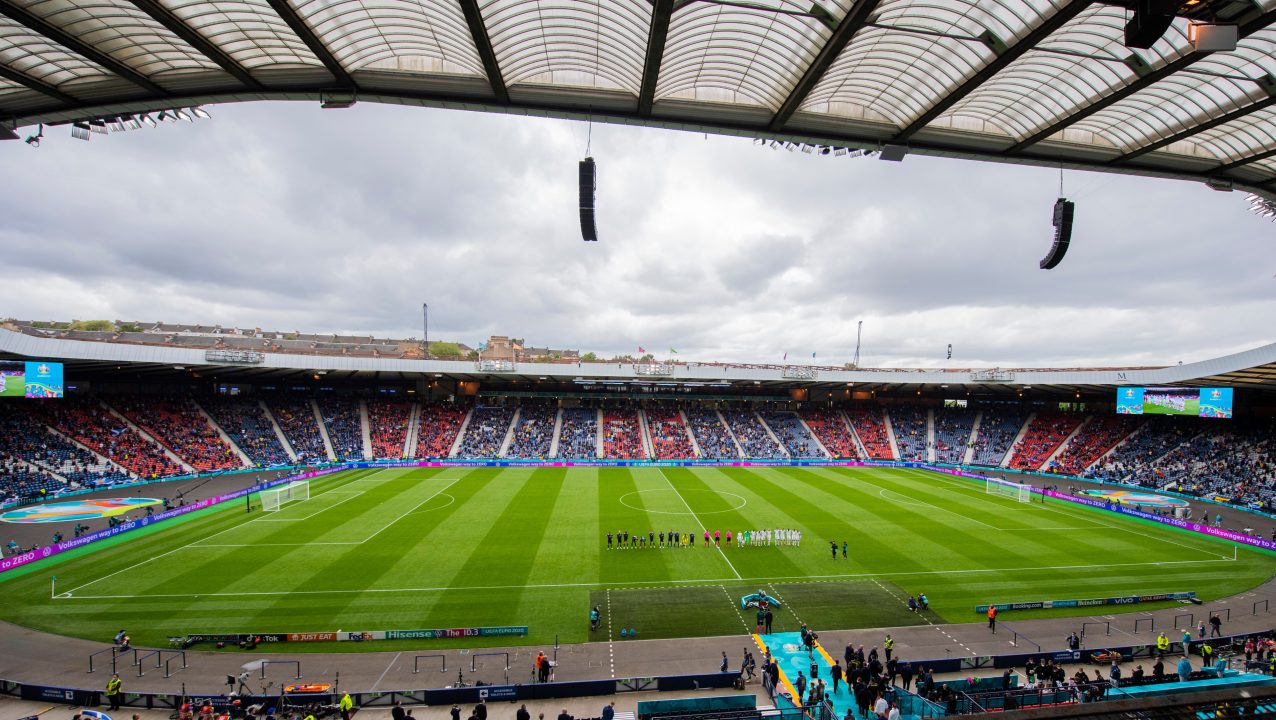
x=34 y=140
x=337 y=100
x=1208 y=37
x=80 y=131
x=147 y=119
x=132 y=123
x=181 y=115
x=893 y=153
x=98 y=126
x=840 y=152
x=1264 y=207
x=200 y=112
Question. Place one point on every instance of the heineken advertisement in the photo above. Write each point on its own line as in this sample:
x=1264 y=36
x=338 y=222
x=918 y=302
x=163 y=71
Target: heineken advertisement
x=1123 y=600
x=357 y=636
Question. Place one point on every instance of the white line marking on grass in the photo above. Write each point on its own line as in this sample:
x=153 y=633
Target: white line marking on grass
x=611 y=637
x=702 y=526
x=413 y=508
x=936 y=507
x=243 y=545
x=708 y=582
x=190 y=544
x=737 y=610
x=320 y=511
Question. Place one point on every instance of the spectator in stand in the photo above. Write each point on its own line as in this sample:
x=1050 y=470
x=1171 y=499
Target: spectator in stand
x=345 y=429
x=711 y=435
x=578 y=436
x=533 y=432
x=388 y=424
x=752 y=435
x=792 y=434
x=668 y=434
x=486 y=432
x=438 y=428
x=296 y=418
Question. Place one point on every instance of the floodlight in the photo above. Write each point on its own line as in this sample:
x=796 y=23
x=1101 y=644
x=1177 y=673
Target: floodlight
x=115 y=125
x=146 y=118
x=200 y=112
x=807 y=149
x=133 y=123
x=826 y=150
x=80 y=131
x=98 y=126
x=181 y=115
x=840 y=152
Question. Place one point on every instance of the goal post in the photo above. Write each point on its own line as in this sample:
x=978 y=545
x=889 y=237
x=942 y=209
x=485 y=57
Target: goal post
x=275 y=498
x=1018 y=491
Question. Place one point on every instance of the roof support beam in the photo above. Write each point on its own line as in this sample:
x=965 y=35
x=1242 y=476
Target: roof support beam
x=846 y=29
x=999 y=63
x=483 y=43
x=1247 y=28
x=1226 y=167
x=312 y=41
x=175 y=25
x=70 y=42
x=39 y=86
x=660 y=15
x=1193 y=130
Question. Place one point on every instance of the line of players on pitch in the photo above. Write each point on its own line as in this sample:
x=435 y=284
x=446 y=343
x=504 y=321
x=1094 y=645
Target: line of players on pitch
x=744 y=538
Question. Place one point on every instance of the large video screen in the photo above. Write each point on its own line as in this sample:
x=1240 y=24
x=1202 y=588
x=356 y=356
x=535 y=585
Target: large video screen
x=31 y=379
x=1197 y=402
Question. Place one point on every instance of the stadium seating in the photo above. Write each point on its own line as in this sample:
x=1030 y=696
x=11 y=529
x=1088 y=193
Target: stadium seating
x=831 y=429
x=752 y=434
x=90 y=424
x=1133 y=460
x=1045 y=434
x=952 y=434
x=997 y=431
x=388 y=422
x=909 y=424
x=486 y=432
x=345 y=428
x=297 y=419
x=23 y=436
x=179 y=425
x=793 y=435
x=578 y=436
x=1093 y=440
x=247 y=425
x=533 y=432
x=870 y=426
x=21 y=483
x=622 y=438
x=711 y=435
x=669 y=436
x=437 y=429
x=1235 y=461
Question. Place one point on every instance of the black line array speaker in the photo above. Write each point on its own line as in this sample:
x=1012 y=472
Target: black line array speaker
x=588 y=183
x=1062 y=233
x=1149 y=22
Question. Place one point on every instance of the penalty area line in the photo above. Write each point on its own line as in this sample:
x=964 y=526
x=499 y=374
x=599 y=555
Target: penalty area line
x=710 y=582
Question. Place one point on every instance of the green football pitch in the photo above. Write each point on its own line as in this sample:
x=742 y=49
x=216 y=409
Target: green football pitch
x=383 y=549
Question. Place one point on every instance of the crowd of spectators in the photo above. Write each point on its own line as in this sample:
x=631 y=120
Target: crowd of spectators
x=1093 y=440
x=669 y=438
x=388 y=423
x=22 y=483
x=246 y=425
x=533 y=432
x=952 y=434
x=792 y=434
x=578 y=435
x=1155 y=439
x=997 y=431
x=622 y=437
x=711 y=435
x=752 y=434
x=870 y=426
x=297 y=419
x=437 y=429
x=1045 y=434
x=179 y=425
x=831 y=429
x=345 y=428
x=910 y=426
x=486 y=432
x=1233 y=460
x=23 y=436
x=93 y=426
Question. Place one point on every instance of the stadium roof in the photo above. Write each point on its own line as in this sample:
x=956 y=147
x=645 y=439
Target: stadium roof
x=1254 y=370
x=1028 y=81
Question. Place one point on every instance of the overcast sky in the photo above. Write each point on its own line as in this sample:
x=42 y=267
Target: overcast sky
x=285 y=216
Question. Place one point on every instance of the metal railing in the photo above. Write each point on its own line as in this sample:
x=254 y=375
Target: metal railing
x=294 y=663
x=1190 y=618
x=1085 y=627
x=1226 y=613
x=1254 y=609
x=1151 y=621
x=1016 y=636
x=416 y=662
x=474 y=662
x=114 y=654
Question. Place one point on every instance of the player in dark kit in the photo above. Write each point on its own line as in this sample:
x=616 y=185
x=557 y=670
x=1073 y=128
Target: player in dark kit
x=609 y=536
x=833 y=547
x=662 y=538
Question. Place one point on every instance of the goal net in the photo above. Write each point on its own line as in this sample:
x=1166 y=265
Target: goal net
x=1019 y=491
x=273 y=499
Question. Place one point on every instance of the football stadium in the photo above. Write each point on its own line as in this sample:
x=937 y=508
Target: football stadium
x=232 y=521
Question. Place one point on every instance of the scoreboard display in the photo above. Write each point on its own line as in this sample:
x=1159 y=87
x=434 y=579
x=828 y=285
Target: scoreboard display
x=36 y=379
x=1198 y=402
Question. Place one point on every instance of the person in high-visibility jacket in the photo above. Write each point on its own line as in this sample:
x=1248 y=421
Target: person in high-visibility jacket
x=889 y=644
x=113 y=691
x=345 y=705
x=992 y=618
x=1207 y=654
x=1162 y=643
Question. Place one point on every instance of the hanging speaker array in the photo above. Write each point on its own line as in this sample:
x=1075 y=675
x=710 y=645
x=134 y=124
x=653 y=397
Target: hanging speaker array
x=1063 y=209
x=588 y=184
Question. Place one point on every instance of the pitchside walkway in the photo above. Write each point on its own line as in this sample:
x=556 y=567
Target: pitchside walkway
x=30 y=656
x=791 y=657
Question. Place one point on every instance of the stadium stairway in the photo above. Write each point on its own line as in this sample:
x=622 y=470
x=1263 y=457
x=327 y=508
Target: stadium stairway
x=786 y=648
